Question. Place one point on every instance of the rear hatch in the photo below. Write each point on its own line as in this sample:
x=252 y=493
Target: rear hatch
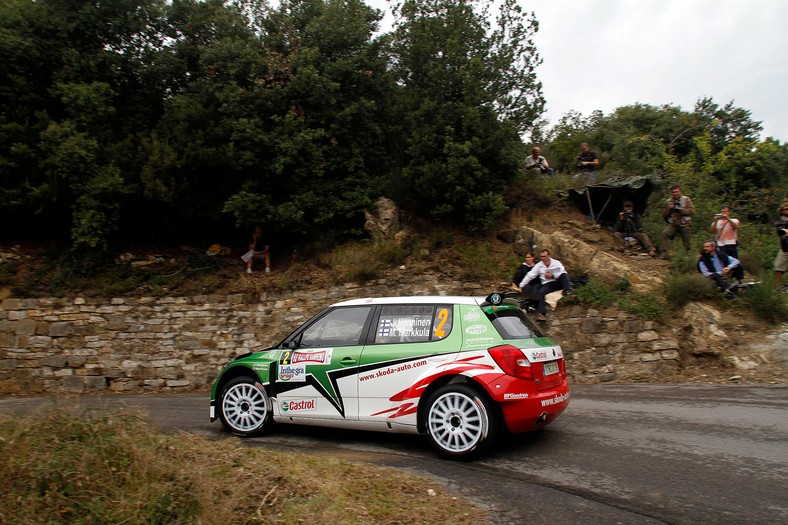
x=547 y=365
x=544 y=355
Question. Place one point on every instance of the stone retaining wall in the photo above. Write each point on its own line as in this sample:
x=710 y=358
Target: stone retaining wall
x=147 y=344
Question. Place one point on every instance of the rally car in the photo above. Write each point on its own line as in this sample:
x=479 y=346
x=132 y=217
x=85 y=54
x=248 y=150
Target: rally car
x=459 y=370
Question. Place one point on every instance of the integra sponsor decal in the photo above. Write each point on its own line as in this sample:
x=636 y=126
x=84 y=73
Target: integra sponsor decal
x=515 y=396
x=299 y=405
x=293 y=373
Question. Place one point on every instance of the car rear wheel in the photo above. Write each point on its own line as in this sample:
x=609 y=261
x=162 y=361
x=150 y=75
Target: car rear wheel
x=460 y=422
x=244 y=407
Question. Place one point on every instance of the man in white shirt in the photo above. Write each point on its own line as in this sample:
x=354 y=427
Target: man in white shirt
x=552 y=276
x=537 y=161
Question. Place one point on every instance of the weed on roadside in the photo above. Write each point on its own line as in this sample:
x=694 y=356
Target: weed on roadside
x=60 y=467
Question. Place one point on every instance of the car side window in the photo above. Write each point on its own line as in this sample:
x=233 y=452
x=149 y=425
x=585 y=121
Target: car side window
x=413 y=323
x=339 y=327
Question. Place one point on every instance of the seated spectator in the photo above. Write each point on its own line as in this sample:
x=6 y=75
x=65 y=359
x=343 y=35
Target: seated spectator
x=723 y=269
x=552 y=276
x=529 y=292
x=628 y=226
x=537 y=161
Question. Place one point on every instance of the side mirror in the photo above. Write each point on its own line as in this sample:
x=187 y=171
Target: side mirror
x=292 y=344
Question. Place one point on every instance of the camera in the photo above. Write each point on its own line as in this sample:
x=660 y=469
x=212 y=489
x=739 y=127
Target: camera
x=718 y=216
x=677 y=204
x=628 y=214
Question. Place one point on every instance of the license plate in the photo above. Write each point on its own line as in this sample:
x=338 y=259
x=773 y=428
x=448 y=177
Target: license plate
x=551 y=368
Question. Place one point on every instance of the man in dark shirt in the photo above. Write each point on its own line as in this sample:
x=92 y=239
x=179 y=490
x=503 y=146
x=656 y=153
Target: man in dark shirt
x=587 y=163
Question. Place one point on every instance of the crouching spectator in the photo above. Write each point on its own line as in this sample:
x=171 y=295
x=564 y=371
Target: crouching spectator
x=723 y=269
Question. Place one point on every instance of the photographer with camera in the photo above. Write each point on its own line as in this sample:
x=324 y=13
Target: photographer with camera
x=781 y=261
x=727 y=230
x=536 y=160
x=678 y=213
x=628 y=226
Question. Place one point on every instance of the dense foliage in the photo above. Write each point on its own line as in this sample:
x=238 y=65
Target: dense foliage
x=176 y=120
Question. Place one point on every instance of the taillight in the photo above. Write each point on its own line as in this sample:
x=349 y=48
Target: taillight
x=512 y=361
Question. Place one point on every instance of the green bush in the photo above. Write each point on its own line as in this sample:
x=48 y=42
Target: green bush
x=681 y=288
x=363 y=261
x=645 y=307
x=478 y=263
x=597 y=293
x=765 y=302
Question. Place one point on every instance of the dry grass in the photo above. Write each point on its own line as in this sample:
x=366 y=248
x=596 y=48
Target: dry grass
x=60 y=467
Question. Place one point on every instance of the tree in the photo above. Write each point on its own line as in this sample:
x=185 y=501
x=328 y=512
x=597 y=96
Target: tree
x=70 y=68
x=466 y=91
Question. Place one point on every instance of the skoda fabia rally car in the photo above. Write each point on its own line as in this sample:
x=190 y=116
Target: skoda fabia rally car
x=459 y=370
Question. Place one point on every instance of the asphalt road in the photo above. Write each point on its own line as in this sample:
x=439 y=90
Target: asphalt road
x=628 y=454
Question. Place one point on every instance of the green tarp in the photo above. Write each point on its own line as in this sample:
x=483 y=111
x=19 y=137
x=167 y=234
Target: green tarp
x=602 y=201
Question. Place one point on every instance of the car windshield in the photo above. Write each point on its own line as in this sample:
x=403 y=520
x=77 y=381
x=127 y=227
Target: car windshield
x=512 y=323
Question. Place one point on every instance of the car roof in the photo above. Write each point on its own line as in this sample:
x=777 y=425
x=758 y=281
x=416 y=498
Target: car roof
x=421 y=299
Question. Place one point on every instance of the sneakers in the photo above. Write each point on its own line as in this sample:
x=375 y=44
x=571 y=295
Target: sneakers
x=568 y=293
x=248 y=270
x=541 y=317
x=268 y=270
x=652 y=253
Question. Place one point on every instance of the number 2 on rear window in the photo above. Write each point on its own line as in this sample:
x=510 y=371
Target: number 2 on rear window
x=443 y=320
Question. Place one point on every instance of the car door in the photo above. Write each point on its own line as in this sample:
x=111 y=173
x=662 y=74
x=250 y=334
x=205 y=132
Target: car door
x=407 y=348
x=316 y=374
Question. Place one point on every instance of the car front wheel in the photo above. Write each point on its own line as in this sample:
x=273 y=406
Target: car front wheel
x=460 y=422
x=244 y=407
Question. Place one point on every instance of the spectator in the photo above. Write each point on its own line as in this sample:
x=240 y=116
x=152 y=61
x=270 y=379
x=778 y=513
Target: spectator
x=552 y=276
x=537 y=161
x=727 y=230
x=678 y=214
x=527 y=265
x=259 y=250
x=587 y=163
x=719 y=267
x=781 y=261
x=628 y=226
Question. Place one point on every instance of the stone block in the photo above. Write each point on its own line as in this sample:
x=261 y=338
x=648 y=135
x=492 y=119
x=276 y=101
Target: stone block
x=61 y=329
x=55 y=361
x=648 y=335
x=25 y=327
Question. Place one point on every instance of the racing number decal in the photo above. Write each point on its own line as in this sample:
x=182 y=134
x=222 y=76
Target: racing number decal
x=443 y=317
x=285 y=359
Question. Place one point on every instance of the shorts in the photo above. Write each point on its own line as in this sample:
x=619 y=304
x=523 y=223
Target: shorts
x=781 y=262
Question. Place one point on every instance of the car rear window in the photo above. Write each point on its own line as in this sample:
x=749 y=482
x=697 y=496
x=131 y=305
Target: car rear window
x=512 y=323
x=413 y=323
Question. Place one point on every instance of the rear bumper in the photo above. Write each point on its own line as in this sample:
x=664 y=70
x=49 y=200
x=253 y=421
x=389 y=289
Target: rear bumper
x=523 y=414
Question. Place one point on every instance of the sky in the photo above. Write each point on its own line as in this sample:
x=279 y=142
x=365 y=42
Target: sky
x=604 y=54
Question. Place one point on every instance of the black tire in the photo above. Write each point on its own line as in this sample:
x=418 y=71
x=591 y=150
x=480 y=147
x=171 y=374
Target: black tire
x=460 y=422
x=244 y=408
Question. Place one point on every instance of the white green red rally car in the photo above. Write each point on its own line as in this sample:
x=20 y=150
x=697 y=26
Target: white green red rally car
x=459 y=370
